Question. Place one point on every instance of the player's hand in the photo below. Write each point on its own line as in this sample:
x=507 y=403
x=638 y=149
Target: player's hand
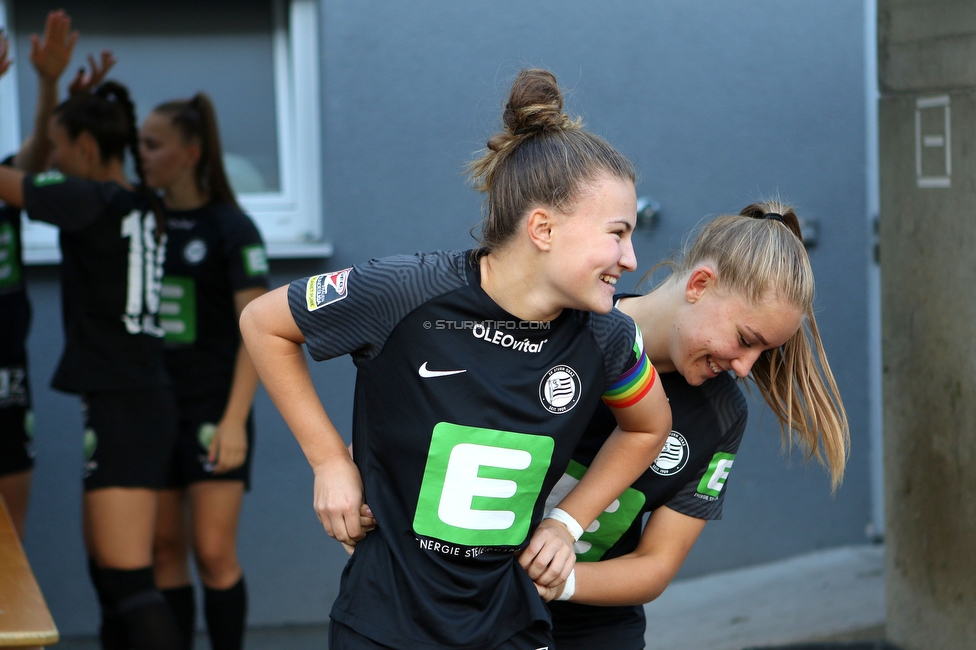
x=4 y=53
x=84 y=81
x=367 y=522
x=550 y=556
x=550 y=593
x=51 y=52
x=228 y=449
x=338 y=498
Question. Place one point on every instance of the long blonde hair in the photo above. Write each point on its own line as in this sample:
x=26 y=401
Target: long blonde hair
x=759 y=254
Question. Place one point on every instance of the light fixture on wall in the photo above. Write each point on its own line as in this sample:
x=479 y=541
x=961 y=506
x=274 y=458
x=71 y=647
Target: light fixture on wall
x=648 y=213
x=810 y=232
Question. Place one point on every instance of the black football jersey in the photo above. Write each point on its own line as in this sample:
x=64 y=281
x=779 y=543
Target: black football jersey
x=14 y=305
x=464 y=419
x=111 y=267
x=688 y=476
x=213 y=252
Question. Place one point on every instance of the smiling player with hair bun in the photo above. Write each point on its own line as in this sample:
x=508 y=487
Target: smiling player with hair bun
x=459 y=438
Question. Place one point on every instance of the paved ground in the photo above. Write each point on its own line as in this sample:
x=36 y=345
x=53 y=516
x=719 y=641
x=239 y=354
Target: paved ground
x=831 y=595
x=829 y=599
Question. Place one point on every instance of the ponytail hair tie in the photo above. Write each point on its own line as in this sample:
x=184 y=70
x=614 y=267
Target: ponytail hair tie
x=775 y=216
x=538 y=128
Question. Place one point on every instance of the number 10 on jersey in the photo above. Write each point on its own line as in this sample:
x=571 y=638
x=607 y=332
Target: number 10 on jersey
x=145 y=273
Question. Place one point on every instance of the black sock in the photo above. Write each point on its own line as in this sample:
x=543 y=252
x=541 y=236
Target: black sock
x=226 y=612
x=112 y=631
x=180 y=600
x=148 y=621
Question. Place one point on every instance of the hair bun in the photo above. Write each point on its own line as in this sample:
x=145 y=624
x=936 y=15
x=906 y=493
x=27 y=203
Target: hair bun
x=535 y=104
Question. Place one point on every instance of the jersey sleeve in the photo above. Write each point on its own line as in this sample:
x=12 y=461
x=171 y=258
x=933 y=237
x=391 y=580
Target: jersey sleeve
x=353 y=311
x=631 y=376
x=247 y=259
x=704 y=496
x=67 y=202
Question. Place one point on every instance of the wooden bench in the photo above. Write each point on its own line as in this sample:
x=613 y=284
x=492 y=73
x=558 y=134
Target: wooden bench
x=25 y=621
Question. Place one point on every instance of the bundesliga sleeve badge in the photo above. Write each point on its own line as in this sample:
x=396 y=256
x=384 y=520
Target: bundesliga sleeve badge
x=325 y=289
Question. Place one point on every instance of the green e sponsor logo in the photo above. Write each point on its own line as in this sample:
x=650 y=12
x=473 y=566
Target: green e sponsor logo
x=481 y=485
x=255 y=260
x=178 y=309
x=613 y=522
x=718 y=471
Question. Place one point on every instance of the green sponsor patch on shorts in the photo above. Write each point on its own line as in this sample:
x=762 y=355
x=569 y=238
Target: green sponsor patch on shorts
x=205 y=434
x=178 y=309
x=480 y=486
x=90 y=443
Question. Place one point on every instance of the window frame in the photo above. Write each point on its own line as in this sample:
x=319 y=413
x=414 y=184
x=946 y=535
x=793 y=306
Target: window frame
x=291 y=219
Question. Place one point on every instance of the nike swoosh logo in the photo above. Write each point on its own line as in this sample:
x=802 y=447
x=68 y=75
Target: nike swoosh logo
x=437 y=373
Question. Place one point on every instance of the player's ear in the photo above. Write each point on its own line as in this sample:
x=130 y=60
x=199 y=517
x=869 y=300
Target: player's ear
x=701 y=278
x=539 y=227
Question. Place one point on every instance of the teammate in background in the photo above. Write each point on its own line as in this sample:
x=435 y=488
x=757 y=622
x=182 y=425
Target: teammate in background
x=216 y=265
x=740 y=301
x=112 y=250
x=477 y=373
x=50 y=55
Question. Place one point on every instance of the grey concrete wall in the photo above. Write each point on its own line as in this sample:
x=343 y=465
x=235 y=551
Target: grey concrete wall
x=717 y=101
x=927 y=241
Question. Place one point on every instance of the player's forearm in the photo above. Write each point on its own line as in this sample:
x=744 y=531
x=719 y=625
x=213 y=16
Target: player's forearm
x=34 y=152
x=627 y=580
x=12 y=186
x=284 y=372
x=621 y=460
x=274 y=345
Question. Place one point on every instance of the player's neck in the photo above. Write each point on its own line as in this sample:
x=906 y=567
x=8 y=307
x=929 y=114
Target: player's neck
x=654 y=315
x=511 y=279
x=184 y=194
x=111 y=171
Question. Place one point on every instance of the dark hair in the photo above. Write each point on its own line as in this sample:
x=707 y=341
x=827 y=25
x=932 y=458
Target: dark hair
x=196 y=120
x=542 y=158
x=109 y=116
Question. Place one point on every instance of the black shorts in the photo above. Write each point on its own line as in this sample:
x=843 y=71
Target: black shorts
x=198 y=416
x=16 y=421
x=343 y=637
x=128 y=438
x=585 y=627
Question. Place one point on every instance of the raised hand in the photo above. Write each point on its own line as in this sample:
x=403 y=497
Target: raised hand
x=84 y=81
x=51 y=52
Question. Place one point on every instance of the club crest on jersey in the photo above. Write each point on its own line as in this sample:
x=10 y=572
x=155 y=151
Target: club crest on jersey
x=325 y=289
x=195 y=251
x=673 y=457
x=559 y=390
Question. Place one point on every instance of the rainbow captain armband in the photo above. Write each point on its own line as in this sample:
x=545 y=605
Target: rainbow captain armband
x=633 y=384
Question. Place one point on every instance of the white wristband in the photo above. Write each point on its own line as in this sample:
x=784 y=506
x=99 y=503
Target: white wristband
x=562 y=516
x=570 y=588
